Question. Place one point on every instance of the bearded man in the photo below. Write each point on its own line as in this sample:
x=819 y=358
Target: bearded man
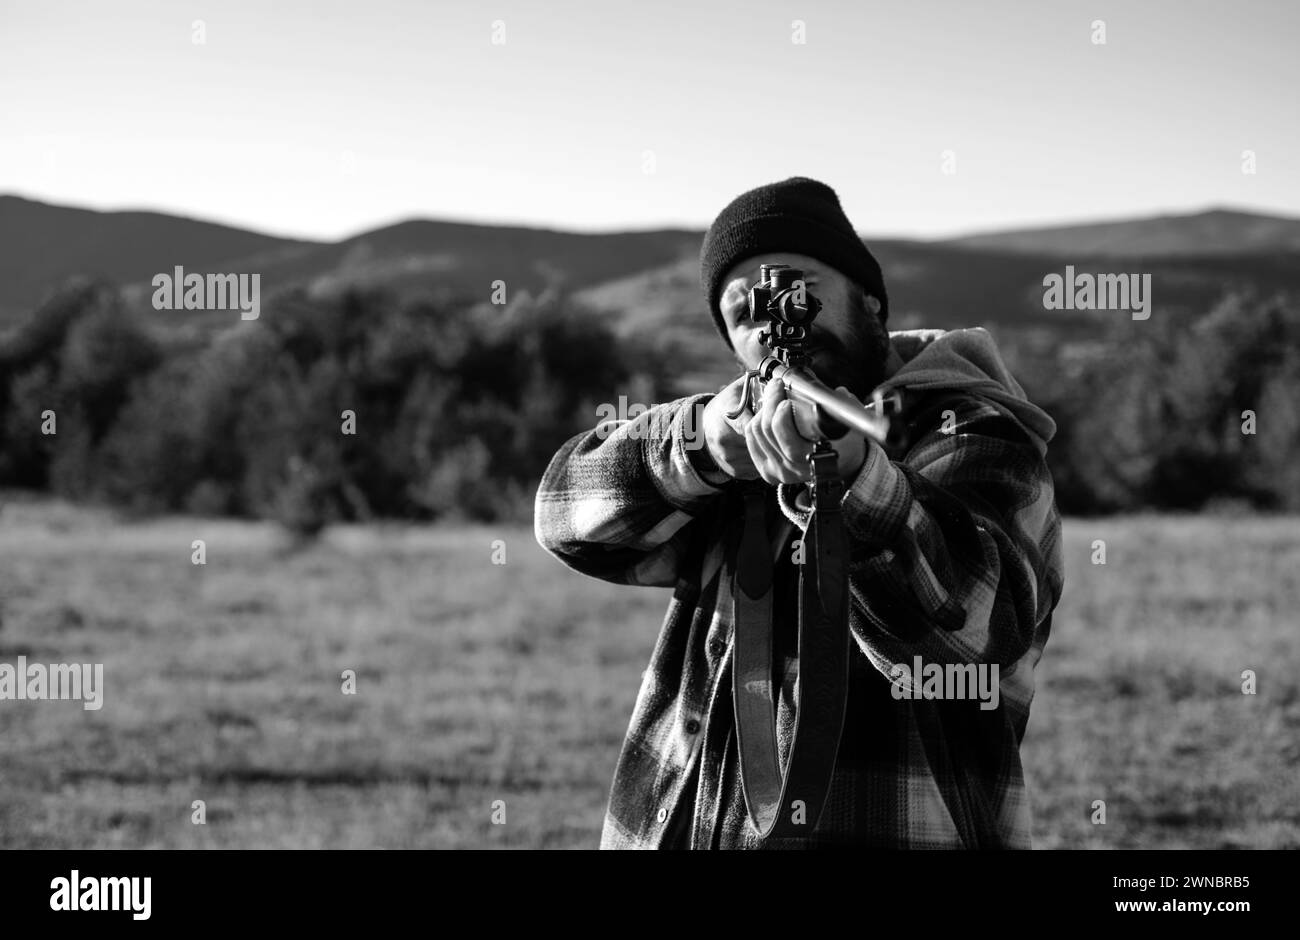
x=953 y=545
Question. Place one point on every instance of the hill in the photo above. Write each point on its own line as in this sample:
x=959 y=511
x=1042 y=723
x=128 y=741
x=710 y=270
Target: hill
x=467 y=257
x=41 y=245
x=1214 y=232
x=942 y=286
x=646 y=283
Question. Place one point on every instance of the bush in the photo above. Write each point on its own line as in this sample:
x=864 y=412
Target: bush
x=459 y=407
x=456 y=409
x=1158 y=421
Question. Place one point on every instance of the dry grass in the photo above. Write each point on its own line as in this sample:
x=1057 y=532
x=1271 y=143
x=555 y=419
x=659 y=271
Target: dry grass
x=480 y=682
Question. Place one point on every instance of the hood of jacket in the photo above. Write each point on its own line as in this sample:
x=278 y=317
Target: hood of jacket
x=965 y=360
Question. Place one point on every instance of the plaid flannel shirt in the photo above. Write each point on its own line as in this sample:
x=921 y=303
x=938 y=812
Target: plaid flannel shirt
x=955 y=558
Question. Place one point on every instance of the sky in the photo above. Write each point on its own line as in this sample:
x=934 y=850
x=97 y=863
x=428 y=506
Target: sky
x=929 y=117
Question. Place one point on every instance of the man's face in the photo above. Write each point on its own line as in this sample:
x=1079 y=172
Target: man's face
x=847 y=343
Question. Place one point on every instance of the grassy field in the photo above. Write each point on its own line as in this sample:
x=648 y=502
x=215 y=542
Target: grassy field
x=479 y=682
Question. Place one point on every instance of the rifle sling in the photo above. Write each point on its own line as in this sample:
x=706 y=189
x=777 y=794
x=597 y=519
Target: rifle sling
x=823 y=662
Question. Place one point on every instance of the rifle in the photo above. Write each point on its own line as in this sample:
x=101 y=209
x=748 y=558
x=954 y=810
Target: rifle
x=789 y=802
x=782 y=294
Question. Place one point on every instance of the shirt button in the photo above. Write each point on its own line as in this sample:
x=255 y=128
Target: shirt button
x=692 y=726
x=715 y=647
x=663 y=815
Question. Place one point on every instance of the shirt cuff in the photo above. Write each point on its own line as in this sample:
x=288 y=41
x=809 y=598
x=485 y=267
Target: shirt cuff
x=670 y=460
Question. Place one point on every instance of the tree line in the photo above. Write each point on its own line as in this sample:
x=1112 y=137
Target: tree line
x=368 y=406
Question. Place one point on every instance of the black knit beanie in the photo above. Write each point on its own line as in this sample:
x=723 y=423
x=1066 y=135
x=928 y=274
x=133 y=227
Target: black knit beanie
x=798 y=215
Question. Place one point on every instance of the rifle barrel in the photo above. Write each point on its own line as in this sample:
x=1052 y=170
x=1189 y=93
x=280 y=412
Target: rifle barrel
x=801 y=384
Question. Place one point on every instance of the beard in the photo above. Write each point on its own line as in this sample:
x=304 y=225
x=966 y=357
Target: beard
x=856 y=360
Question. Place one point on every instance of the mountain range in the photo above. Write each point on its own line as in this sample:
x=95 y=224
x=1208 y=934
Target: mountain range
x=646 y=282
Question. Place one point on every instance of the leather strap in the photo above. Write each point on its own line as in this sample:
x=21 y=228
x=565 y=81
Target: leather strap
x=789 y=804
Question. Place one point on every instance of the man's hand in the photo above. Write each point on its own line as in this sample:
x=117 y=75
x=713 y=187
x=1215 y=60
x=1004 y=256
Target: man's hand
x=774 y=444
x=725 y=437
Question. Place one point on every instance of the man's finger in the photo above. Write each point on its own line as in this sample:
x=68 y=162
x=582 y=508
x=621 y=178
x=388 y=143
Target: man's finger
x=774 y=391
x=805 y=420
x=766 y=455
x=762 y=426
x=794 y=447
